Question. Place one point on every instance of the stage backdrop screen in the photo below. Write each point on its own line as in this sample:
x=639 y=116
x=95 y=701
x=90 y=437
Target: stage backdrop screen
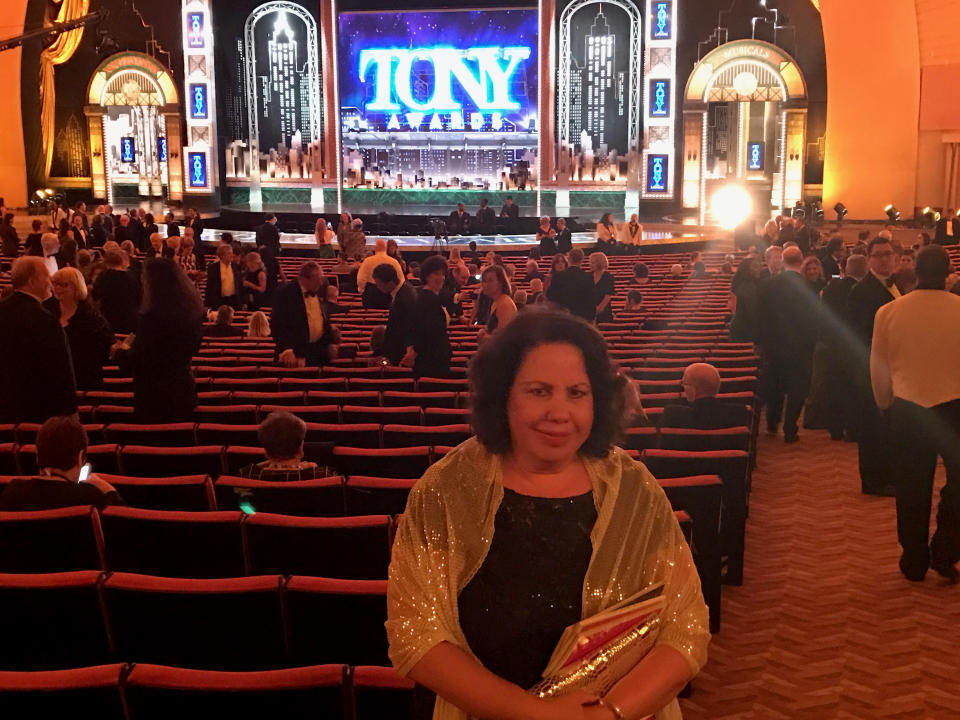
x=439 y=98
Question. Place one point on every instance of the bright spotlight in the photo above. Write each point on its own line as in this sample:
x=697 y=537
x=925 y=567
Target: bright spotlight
x=731 y=205
x=892 y=213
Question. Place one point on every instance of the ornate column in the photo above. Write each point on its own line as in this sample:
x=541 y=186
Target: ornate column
x=331 y=97
x=547 y=95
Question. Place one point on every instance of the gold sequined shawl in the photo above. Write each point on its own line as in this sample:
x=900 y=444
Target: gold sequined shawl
x=447 y=528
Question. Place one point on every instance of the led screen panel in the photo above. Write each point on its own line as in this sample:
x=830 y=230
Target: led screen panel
x=466 y=78
x=197 y=164
x=128 y=150
x=755 y=156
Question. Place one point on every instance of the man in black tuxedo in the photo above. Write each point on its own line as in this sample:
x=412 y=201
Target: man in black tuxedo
x=299 y=324
x=835 y=334
x=789 y=324
x=573 y=288
x=173 y=228
x=122 y=230
x=486 y=219
x=459 y=221
x=399 y=337
x=224 y=281
x=948 y=229
x=36 y=373
x=32 y=243
x=511 y=215
x=269 y=236
x=703 y=411
x=98 y=234
x=802 y=235
x=564 y=237
x=194 y=222
x=867 y=296
x=117 y=293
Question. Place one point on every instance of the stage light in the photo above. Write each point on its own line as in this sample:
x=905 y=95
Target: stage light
x=892 y=213
x=841 y=210
x=731 y=205
x=930 y=216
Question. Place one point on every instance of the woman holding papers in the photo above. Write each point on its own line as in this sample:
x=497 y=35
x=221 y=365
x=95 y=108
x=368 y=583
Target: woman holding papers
x=536 y=524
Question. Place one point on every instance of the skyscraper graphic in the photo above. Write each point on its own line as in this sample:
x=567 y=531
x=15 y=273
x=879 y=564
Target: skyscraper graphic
x=599 y=55
x=281 y=104
x=576 y=100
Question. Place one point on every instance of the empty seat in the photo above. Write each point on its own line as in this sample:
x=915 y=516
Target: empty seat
x=172 y=543
x=159 y=693
x=109 y=413
x=394 y=462
x=640 y=438
x=190 y=492
x=246 y=384
x=232 y=624
x=230 y=414
x=446 y=416
x=350 y=547
x=405 y=415
x=285 y=399
x=304 y=384
x=324 y=397
x=376 y=495
x=426 y=384
x=366 y=435
x=735 y=438
x=402 y=384
x=142 y=461
x=396 y=436
x=379 y=692
x=322 y=497
x=164 y=435
x=91 y=692
x=307 y=413
x=220 y=434
x=336 y=619
x=423 y=399
x=53 y=621
x=51 y=541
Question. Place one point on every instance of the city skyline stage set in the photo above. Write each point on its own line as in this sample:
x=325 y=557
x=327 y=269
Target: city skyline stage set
x=575 y=108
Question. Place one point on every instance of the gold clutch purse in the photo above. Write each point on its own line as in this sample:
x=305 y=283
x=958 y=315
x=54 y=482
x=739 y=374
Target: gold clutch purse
x=594 y=654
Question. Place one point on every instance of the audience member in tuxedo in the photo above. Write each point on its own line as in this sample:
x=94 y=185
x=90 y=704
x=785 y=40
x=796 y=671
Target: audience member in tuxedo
x=89 y=335
x=430 y=354
x=496 y=287
x=224 y=281
x=32 y=245
x=451 y=295
x=109 y=221
x=173 y=227
x=332 y=298
x=98 y=234
x=195 y=223
x=222 y=328
x=831 y=256
x=632 y=232
x=269 y=236
x=51 y=252
x=604 y=287
x=745 y=289
x=802 y=235
x=789 y=323
x=402 y=321
x=254 y=281
x=372 y=297
x=922 y=401
x=573 y=288
x=510 y=213
x=79 y=231
x=948 y=229
x=458 y=223
x=258 y=326
x=812 y=272
x=282 y=434
x=168 y=336
x=839 y=400
x=36 y=375
x=870 y=294
x=486 y=218
x=158 y=248
x=117 y=293
x=61 y=454
x=9 y=238
x=564 y=236
x=773 y=262
x=702 y=410
x=122 y=231
x=138 y=225
x=546 y=237
x=301 y=329
x=57 y=214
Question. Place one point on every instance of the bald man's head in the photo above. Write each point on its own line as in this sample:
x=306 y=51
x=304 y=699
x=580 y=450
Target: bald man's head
x=700 y=380
x=793 y=258
x=380 y=245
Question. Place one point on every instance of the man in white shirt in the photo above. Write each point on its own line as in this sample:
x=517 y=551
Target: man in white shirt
x=372 y=297
x=915 y=372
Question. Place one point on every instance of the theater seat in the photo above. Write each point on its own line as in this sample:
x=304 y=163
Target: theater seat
x=407 y=415
x=232 y=624
x=159 y=435
x=445 y=416
x=154 y=692
x=365 y=435
x=51 y=541
x=349 y=547
x=173 y=544
x=222 y=434
x=51 y=621
x=412 y=435
x=376 y=495
x=423 y=399
x=143 y=461
x=102 y=458
x=322 y=497
x=307 y=413
x=189 y=492
x=379 y=692
x=394 y=462
x=92 y=692
x=336 y=619
x=229 y=414
x=734 y=438
x=640 y=438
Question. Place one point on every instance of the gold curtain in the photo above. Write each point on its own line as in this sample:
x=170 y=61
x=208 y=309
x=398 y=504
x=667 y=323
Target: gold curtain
x=58 y=53
x=951 y=184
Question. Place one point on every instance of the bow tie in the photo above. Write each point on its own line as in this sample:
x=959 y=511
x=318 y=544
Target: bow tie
x=891 y=281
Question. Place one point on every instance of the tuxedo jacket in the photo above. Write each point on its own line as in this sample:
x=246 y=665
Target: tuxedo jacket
x=789 y=316
x=36 y=372
x=706 y=414
x=486 y=221
x=401 y=324
x=197 y=225
x=573 y=289
x=213 y=297
x=288 y=322
x=458 y=224
x=865 y=298
x=269 y=236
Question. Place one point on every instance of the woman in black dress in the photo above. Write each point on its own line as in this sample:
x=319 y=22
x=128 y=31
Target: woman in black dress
x=603 y=286
x=88 y=333
x=167 y=338
x=254 y=280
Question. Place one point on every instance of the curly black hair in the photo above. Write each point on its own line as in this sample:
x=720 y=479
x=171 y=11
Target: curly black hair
x=494 y=369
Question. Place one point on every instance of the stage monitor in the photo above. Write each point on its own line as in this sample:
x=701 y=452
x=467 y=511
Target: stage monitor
x=438 y=97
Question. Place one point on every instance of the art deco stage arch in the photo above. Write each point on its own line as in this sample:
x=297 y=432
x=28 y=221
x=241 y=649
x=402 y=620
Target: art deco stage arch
x=133 y=119
x=760 y=91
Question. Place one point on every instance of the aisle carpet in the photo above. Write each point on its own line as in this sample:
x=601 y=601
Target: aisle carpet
x=824 y=625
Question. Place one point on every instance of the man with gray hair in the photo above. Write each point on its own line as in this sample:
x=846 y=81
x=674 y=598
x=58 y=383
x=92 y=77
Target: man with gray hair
x=36 y=373
x=702 y=410
x=789 y=324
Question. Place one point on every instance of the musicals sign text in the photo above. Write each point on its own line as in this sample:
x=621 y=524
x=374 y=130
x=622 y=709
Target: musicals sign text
x=483 y=73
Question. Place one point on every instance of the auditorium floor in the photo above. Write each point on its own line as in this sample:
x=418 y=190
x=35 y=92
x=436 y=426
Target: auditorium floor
x=824 y=625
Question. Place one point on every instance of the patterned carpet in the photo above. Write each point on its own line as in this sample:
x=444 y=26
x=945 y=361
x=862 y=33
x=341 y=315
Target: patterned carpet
x=825 y=626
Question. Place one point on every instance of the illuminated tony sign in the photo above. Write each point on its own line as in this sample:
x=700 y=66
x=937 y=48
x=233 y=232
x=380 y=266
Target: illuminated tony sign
x=460 y=71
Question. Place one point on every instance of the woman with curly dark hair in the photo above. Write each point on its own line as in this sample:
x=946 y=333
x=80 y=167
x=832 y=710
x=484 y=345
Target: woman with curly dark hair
x=533 y=525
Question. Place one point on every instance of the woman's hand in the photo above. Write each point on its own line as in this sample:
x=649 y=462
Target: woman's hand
x=571 y=707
